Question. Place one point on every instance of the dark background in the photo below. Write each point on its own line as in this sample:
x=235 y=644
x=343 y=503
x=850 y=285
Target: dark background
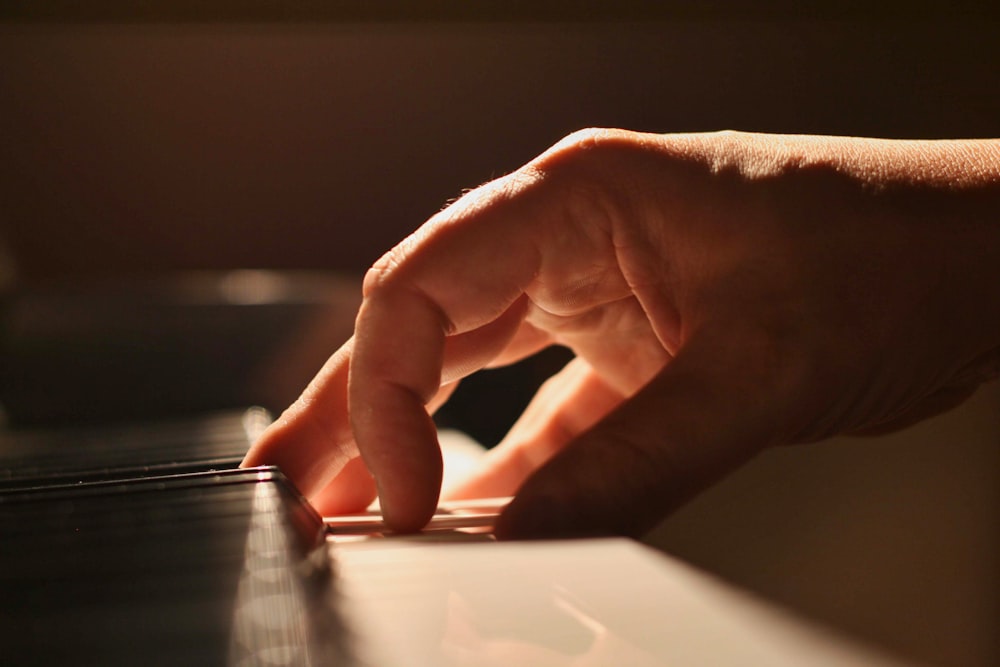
x=146 y=146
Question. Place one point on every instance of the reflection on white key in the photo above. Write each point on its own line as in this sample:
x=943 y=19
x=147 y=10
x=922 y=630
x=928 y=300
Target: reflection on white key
x=568 y=603
x=478 y=514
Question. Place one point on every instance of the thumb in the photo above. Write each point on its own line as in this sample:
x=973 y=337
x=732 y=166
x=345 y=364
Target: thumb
x=706 y=413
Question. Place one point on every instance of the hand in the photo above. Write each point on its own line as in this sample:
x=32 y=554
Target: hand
x=722 y=293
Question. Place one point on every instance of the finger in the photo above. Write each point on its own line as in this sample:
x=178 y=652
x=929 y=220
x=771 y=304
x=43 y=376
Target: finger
x=448 y=279
x=392 y=381
x=569 y=402
x=527 y=341
x=706 y=413
x=468 y=352
x=312 y=442
x=352 y=490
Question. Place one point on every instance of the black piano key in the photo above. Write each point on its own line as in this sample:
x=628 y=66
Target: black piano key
x=66 y=456
x=198 y=569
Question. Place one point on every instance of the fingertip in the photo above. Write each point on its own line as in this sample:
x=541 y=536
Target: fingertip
x=411 y=519
x=306 y=454
x=409 y=503
x=311 y=441
x=403 y=454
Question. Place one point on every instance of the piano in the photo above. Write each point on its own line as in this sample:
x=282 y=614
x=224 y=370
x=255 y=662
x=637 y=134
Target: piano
x=144 y=544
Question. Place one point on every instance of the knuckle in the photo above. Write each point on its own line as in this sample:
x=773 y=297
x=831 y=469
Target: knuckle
x=383 y=272
x=588 y=146
x=588 y=138
x=730 y=134
x=592 y=170
x=376 y=276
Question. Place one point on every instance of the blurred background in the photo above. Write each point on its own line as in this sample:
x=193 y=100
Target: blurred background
x=190 y=193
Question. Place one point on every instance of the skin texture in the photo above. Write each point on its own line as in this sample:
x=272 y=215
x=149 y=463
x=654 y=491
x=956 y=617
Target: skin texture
x=723 y=293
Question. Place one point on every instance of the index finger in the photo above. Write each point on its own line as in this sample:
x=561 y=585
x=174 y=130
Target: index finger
x=460 y=272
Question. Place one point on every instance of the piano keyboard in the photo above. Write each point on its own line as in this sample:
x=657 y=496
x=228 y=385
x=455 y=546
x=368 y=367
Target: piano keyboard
x=76 y=455
x=181 y=560
x=146 y=545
